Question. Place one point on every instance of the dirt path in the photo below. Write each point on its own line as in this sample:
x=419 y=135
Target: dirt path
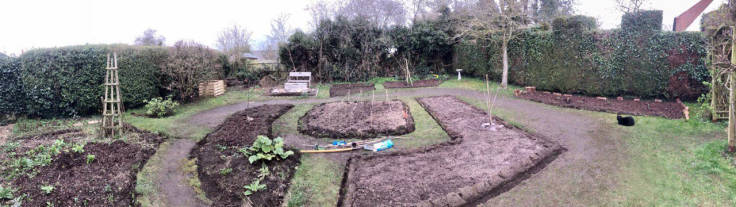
x=582 y=176
x=172 y=182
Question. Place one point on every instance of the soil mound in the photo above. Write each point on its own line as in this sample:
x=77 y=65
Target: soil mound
x=224 y=171
x=415 y=84
x=671 y=110
x=354 y=88
x=108 y=180
x=476 y=163
x=357 y=119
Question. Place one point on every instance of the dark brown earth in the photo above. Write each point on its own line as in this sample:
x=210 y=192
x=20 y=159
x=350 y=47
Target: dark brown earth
x=354 y=88
x=108 y=181
x=582 y=176
x=476 y=161
x=357 y=119
x=415 y=84
x=671 y=110
x=219 y=150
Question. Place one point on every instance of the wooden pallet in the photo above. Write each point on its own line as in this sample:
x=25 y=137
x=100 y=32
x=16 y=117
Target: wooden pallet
x=212 y=88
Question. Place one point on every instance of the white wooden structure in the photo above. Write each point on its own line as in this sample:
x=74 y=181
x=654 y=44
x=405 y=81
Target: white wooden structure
x=298 y=81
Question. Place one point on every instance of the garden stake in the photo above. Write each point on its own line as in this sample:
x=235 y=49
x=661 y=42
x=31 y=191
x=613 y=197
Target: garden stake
x=488 y=101
x=112 y=104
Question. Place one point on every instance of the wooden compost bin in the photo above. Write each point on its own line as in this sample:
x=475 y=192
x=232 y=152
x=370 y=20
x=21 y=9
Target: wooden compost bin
x=212 y=88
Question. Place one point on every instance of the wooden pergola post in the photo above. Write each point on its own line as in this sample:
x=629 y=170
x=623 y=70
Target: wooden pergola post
x=732 y=99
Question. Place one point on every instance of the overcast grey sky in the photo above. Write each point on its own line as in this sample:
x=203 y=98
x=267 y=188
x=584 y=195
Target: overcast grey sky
x=28 y=24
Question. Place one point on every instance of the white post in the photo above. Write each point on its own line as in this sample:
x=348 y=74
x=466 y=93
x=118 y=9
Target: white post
x=458 y=74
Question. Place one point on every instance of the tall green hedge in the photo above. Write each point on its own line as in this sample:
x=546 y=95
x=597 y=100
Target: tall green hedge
x=68 y=81
x=11 y=88
x=573 y=59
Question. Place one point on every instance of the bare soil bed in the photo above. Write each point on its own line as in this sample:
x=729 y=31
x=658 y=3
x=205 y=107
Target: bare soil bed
x=476 y=164
x=108 y=180
x=671 y=110
x=415 y=84
x=219 y=151
x=353 y=88
x=357 y=119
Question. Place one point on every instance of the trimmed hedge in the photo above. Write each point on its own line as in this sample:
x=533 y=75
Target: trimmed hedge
x=648 y=20
x=574 y=59
x=11 y=87
x=68 y=81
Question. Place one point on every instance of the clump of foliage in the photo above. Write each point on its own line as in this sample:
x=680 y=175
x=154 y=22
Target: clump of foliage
x=6 y=192
x=158 y=107
x=225 y=171
x=90 y=158
x=256 y=185
x=188 y=64
x=253 y=187
x=78 y=148
x=47 y=189
x=24 y=164
x=266 y=149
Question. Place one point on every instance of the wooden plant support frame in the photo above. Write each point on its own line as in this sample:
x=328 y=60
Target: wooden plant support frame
x=112 y=102
x=212 y=88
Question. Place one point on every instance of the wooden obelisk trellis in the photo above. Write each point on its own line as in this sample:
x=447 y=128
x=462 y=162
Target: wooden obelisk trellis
x=112 y=105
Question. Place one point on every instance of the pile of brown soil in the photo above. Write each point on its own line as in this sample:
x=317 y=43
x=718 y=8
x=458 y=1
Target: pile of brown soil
x=355 y=119
x=475 y=164
x=218 y=151
x=109 y=180
x=415 y=84
x=671 y=110
x=354 y=88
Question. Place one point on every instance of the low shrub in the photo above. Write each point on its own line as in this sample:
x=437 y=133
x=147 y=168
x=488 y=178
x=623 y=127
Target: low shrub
x=188 y=64
x=158 y=107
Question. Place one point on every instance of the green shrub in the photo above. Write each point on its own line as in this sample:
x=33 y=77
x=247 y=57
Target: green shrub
x=188 y=64
x=67 y=81
x=12 y=99
x=266 y=149
x=642 y=21
x=90 y=158
x=157 y=107
x=6 y=193
x=47 y=189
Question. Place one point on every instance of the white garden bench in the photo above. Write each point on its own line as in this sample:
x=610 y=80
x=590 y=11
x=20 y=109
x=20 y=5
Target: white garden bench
x=298 y=81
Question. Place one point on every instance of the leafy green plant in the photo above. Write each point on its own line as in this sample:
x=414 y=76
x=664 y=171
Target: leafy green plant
x=47 y=189
x=90 y=158
x=225 y=171
x=253 y=187
x=263 y=172
x=266 y=149
x=78 y=148
x=6 y=192
x=157 y=107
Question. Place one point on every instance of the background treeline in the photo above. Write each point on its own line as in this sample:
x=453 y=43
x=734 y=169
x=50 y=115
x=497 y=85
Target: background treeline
x=353 y=49
x=67 y=81
x=568 y=54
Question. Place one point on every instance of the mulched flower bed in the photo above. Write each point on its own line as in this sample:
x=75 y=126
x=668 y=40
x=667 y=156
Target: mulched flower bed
x=671 y=110
x=357 y=119
x=353 y=88
x=218 y=152
x=108 y=180
x=415 y=84
x=475 y=164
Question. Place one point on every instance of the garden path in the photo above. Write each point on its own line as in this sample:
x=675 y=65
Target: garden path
x=579 y=177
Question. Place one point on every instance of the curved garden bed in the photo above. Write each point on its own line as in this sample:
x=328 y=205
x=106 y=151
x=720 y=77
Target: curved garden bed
x=223 y=169
x=357 y=119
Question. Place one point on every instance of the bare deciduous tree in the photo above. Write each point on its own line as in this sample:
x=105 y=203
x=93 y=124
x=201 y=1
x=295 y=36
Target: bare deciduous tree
x=149 y=37
x=319 y=11
x=504 y=18
x=234 y=41
x=280 y=32
x=383 y=13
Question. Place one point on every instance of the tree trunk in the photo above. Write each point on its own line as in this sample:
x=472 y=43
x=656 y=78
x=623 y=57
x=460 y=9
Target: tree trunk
x=505 y=75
